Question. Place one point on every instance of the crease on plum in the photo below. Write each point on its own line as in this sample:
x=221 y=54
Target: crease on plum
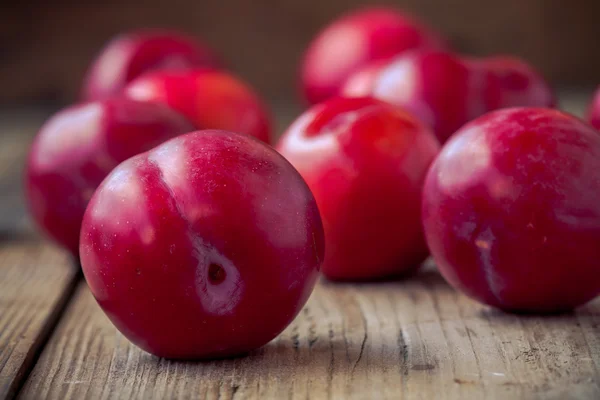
x=485 y=242
x=220 y=299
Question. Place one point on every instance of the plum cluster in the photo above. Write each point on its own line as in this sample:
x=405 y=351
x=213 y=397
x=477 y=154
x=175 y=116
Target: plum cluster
x=200 y=240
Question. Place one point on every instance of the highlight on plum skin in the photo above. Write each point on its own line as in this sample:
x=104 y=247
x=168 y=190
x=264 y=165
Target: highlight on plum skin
x=511 y=210
x=355 y=40
x=365 y=162
x=206 y=246
x=438 y=87
x=78 y=147
x=446 y=90
x=133 y=54
x=210 y=99
x=593 y=111
x=361 y=82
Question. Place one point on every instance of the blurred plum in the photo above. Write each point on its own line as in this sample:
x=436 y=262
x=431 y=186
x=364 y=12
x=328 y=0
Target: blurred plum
x=355 y=40
x=132 y=54
x=78 y=147
x=210 y=99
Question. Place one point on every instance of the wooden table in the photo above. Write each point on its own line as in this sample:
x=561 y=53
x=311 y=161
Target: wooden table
x=412 y=339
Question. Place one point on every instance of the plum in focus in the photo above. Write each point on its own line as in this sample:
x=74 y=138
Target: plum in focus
x=210 y=99
x=77 y=148
x=206 y=246
x=511 y=210
x=355 y=40
x=130 y=55
x=365 y=162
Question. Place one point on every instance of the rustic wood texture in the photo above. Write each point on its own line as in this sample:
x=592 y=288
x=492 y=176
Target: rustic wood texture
x=35 y=283
x=45 y=47
x=35 y=279
x=412 y=339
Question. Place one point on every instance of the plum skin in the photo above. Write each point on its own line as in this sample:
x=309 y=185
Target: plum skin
x=356 y=39
x=210 y=99
x=135 y=53
x=365 y=161
x=519 y=84
x=446 y=90
x=75 y=150
x=206 y=246
x=511 y=210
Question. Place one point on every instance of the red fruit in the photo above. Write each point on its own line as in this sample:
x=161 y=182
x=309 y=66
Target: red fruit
x=78 y=147
x=206 y=246
x=355 y=40
x=437 y=87
x=447 y=91
x=593 y=112
x=365 y=162
x=130 y=55
x=511 y=210
x=362 y=82
x=210 y=99
x=520 y=85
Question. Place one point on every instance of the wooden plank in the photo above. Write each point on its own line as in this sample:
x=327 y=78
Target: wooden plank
x=35 y=282
x=35 y=279
x=413 y=339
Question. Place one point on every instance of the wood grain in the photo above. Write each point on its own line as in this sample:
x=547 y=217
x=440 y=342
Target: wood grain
x=35 y=279
x=35 y=283
x=413 y=339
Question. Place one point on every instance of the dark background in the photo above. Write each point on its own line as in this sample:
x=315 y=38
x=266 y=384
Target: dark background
x=45 y=46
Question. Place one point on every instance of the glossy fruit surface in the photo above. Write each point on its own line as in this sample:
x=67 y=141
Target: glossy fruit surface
x=355 y=40
x=365 y=162
x=438 y=87
x=210 y=99
x=78 y=147
x=511 y=210
x=130 y=55
x=206 y=246
x=446 y=90
x=362 y=82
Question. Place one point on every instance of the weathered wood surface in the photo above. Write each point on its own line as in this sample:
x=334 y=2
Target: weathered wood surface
x=412 y=339
x=35 y=283
x=35 y=278
x=415 y=338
